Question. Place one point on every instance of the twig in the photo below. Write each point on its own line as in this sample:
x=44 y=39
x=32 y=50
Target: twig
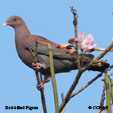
x=103 y=96
x=74 y=84
x=105 y=52
x=34 y=54
x=53 y=80
x=108 y=99
x=86 y=85
x=62 y=95
x=75 y=22
x=42 y=94
x=111 y=83
x=102 y=100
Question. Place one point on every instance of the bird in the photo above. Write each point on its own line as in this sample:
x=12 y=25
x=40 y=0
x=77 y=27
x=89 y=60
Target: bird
x=63 y=62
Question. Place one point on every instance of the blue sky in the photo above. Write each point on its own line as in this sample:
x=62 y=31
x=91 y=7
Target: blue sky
x=52 y=20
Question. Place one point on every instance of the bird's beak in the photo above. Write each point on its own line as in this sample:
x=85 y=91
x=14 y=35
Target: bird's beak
x=5 y=24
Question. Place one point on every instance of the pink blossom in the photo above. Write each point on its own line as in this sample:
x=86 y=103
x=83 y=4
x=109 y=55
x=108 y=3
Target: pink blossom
x=85 y=42
x=81 y=37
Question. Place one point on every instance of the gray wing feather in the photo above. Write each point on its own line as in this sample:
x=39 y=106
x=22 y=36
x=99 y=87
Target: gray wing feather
x=57 y=53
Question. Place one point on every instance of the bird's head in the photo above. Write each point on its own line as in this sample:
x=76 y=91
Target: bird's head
x=13 y=21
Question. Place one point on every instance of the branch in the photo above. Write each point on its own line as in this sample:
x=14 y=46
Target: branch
x=111 y=83
x=34 y=54
x=86 y=85
x=53 y=79
x=75 y=22
x=74 y=84
x=102 y=99
x=42 y=95
x=103 y=96
x=105 y=52
x=62 y=95
x=108 y=99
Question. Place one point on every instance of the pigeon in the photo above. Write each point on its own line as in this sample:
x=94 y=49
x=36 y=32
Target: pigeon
x=63 y=62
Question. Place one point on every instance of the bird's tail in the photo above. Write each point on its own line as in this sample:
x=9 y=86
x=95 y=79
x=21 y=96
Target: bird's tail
x=99 y=68
x=95 y=67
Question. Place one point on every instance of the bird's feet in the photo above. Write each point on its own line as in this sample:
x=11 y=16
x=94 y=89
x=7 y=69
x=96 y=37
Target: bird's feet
x=41 y=85
x=37 y=66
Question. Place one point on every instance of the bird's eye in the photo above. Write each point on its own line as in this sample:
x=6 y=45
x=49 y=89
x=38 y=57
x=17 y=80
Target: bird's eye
x=15 y=19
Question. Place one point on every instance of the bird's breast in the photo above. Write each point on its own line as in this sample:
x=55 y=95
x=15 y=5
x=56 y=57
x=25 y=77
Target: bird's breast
x=24 y=54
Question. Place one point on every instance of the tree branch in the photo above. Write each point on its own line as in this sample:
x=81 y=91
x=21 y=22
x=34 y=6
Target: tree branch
x=86 y=85
x=53 y=79
x=74 y=84
x=102 y=99
x=108 y=95
x=62 y=95
x=75 y=22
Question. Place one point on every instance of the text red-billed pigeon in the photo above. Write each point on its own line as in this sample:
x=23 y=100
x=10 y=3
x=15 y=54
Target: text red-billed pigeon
x=62 y=62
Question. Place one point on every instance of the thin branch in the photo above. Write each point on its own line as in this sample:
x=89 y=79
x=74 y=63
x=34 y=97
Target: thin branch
x=75 y=22
x=108 y=95
x=74 y=84
x=103 y=96
x=86 y=85
x=111 y=83
x=105 y=52
x=62 y=95
x=34 y=54
x=102 y=100
x=42 y=94
x=53 y=79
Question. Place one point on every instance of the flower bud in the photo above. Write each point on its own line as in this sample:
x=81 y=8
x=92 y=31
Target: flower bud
x=99 y=64
x=72 y=40
x=103 y=61
x=69 y=51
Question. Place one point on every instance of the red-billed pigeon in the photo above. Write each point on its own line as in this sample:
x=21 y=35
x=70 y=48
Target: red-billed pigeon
x=63 y=62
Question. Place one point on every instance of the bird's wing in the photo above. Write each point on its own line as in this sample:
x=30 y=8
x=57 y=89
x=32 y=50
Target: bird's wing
x=57 y=53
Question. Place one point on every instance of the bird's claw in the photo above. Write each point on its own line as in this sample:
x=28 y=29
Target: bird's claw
x=37 y=66
x=40 y=86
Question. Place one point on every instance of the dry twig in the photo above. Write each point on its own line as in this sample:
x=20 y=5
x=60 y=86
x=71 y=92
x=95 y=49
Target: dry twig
x=62 y=95
x=74 y=84
x=75 y=22
x=86 y=85
x=102 y=100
